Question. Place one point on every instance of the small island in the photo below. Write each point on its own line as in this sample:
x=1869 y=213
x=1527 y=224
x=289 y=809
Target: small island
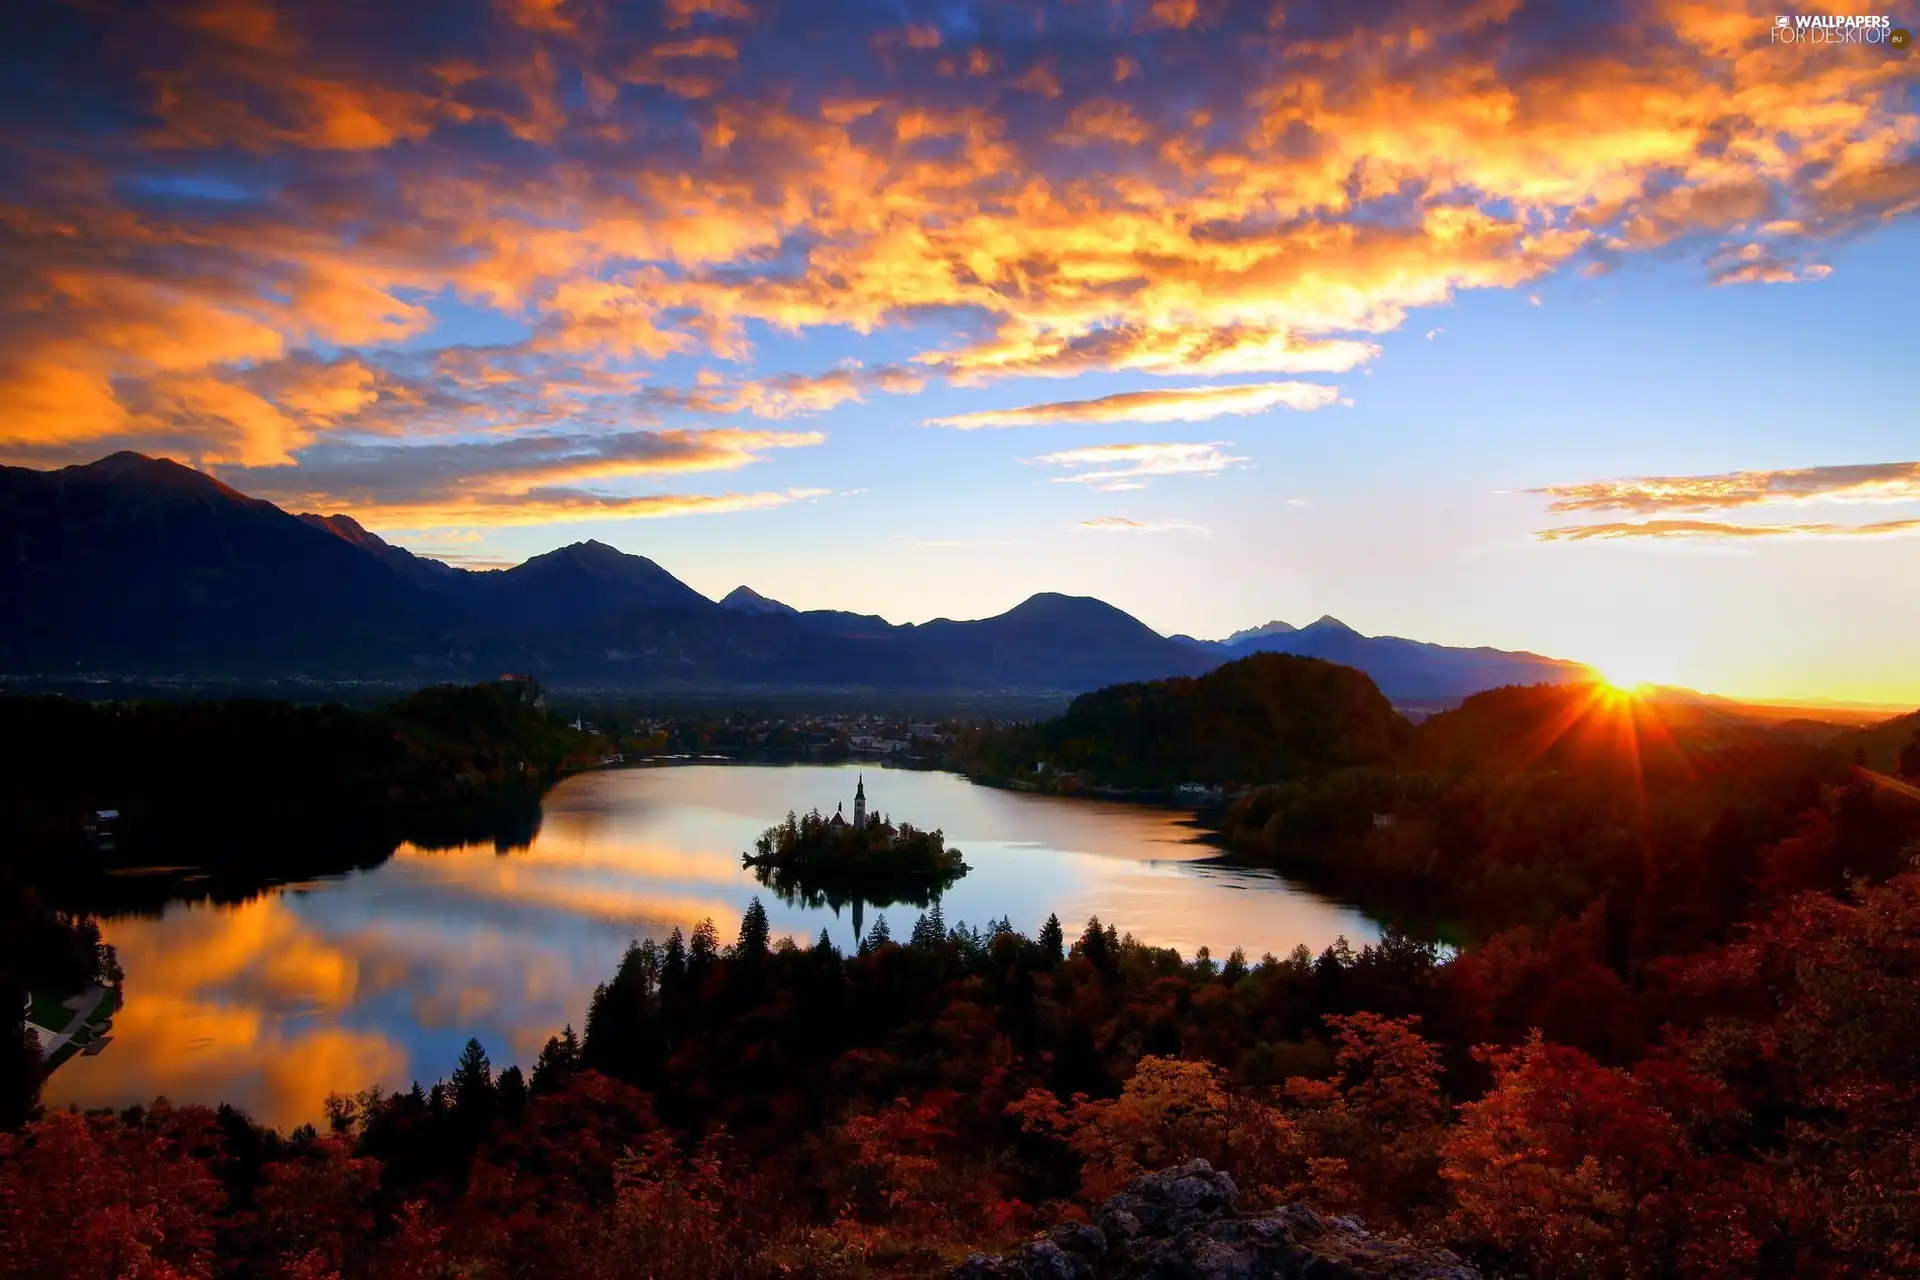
x=817 y=859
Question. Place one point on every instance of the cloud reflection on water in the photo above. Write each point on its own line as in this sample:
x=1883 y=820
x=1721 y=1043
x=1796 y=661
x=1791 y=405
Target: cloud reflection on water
x=380 y=976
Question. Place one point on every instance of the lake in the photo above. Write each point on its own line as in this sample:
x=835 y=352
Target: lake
x=379 y=976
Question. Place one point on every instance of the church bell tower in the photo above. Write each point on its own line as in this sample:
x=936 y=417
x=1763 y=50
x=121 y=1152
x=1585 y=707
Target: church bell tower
x=860 y=803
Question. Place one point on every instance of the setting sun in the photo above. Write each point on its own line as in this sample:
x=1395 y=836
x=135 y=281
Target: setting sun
x=1623 y=679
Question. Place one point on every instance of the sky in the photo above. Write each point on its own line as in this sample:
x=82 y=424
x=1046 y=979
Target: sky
x=1587 y=329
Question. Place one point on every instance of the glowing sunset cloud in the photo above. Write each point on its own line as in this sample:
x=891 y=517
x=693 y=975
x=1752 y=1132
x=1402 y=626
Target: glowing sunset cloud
x=1175 y=404
x=1716 y=529
x=1121 y=524
x=1870 y=482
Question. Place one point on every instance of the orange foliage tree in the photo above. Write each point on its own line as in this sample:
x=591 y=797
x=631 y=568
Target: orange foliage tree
x=82 y=1197
x=1567 y=1167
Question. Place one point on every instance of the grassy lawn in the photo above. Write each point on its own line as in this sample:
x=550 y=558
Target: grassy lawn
x=49 y=1011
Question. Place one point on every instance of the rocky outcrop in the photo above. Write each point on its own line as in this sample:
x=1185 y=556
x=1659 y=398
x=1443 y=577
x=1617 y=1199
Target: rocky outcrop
x=1181 y=1224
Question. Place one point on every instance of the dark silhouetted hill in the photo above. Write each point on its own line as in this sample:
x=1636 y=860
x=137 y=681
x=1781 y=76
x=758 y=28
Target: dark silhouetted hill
x=578 y=584
x=141 y=564
x=1880 y=745
x=1267 y=718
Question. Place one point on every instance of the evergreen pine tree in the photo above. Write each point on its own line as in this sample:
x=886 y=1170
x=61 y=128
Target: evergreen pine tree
x=673 y=966
x=1053 y=939
x=602 y=1030
x=1098 y=946
x=639 y=970
x=1236 y=966
x=925 y=936
x=754 y=933
x=473 y=1082
x=551 y=1068
x=703 y=948
x=877 y=936
x=512 y=1089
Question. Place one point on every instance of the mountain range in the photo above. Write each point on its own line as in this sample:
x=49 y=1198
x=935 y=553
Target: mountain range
x=141 y=566
x=1404 y=669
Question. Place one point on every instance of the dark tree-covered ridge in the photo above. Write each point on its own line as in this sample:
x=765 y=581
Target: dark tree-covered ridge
x=1261 y=719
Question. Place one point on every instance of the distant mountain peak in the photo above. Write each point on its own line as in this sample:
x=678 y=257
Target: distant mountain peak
x=585 y=580
x=155 y=473
x=1274 y=628
x=1327 y=622
x=1057 y=604
x=592 y=549
x=347 y=529
x=593 y=555
x=123 y=461
x=744 y=599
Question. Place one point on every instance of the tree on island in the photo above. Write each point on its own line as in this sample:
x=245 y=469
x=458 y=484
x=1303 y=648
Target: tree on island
x=834 y=847
x=819 y=861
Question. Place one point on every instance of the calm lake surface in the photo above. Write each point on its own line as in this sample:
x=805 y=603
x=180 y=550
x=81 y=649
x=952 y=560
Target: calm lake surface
x=380 y=976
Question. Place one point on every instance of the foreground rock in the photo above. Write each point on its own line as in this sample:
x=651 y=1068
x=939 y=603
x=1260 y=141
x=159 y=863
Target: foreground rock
x=1181 y=1224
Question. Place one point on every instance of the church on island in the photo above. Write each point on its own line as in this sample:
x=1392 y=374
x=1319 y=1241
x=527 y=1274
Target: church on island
x=861 y=820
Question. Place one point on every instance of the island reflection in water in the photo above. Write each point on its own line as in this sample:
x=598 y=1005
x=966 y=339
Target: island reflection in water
x=379 y=976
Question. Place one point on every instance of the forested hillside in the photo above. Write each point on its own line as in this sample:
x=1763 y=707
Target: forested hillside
x=1259 y=719
x=252 y=780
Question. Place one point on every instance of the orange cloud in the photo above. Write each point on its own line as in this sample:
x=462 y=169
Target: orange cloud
x=549 y=506
x=1173 y=404
x=1864 y=482
x=1121 y=524
x=1165 y=348
x=682 y=12
x=1669 y=529
x=203 y=1019
x=522 y=479
x=1757 y=264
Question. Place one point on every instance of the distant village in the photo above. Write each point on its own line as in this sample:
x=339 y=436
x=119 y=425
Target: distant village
x=818 y=738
